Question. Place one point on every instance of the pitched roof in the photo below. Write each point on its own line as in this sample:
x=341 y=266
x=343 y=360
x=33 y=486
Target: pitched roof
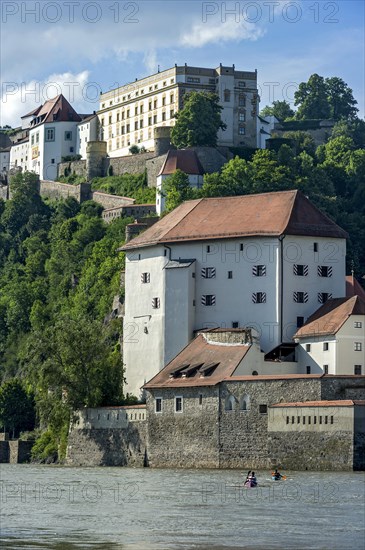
x=330 y=317
x=353 y=287
x=183 y=159
x=265 y=214
x=32 y=113
x=57 y=109
x=200 y=356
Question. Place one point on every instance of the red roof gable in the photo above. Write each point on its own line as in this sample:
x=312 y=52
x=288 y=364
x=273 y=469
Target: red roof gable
x=57 y=109
x=265 y=214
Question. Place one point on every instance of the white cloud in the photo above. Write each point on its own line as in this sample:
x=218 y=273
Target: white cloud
x=17 y=99
x=202 y=33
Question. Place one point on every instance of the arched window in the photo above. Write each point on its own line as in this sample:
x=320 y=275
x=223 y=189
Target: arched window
x=230 y=403
x=254 y=373
x=245 y=403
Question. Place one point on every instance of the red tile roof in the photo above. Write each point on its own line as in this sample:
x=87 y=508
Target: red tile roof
x=266 y=214
x=57 y=109
x=185 y=160
x=330 y=317
x=353 y=287
x=338 y=403
x=200 y=352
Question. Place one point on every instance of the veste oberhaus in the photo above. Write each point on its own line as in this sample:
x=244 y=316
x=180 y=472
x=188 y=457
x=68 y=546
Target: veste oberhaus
x=128 y=115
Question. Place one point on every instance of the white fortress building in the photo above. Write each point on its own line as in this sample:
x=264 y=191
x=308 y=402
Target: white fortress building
x=129 y=114
x=265 y=262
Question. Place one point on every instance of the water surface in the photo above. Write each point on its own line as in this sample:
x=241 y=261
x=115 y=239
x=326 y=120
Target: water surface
x=138 y=509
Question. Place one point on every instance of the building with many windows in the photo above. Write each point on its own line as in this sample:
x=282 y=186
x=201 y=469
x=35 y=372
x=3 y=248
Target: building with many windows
x=265 y=261
x=333 y=338
x=129 y=114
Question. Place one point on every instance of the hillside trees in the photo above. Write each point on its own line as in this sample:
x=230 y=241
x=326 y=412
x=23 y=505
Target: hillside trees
x=280 y=109
x=198 y=122
x=325 y=98
x=59 y=272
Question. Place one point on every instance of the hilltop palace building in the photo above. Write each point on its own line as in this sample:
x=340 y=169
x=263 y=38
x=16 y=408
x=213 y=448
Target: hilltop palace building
x=129 y=114
x=265 y=262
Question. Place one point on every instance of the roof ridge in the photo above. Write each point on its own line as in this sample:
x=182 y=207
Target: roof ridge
x=186 y=214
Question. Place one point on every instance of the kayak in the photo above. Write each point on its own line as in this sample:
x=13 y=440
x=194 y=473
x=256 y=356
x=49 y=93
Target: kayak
x=282 y=478
x=250 y=483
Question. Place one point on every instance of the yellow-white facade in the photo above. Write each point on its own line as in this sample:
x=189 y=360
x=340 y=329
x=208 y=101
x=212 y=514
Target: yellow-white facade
x=129 y=114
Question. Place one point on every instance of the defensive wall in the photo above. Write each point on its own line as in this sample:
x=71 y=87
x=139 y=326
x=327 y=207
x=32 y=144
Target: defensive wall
x=242 y=423
x=108 y=436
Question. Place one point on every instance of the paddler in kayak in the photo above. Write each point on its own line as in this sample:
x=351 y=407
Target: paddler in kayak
x=277 y=475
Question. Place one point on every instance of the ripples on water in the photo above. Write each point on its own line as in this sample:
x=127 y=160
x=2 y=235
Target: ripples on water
x=62 y=508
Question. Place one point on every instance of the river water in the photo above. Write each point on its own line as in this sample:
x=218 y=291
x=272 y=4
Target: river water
x=65 y=508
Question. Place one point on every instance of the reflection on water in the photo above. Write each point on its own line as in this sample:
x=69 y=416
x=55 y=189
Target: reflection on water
x=62 y=508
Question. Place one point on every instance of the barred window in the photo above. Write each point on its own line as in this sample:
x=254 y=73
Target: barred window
x=259 y=297
x=155 y=303
x=259 y=270
x=208 y=272
x=323 y=297
x=208 y=300
x=300 y=297
x=300 y=270
x=324 y=271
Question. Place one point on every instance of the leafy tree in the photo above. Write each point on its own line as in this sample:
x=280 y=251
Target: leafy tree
x=340 y=98
x=176 y=188
x=354 y=129
x=198 y=122
x=312 y=98
x=280 y=109
x=17 y=410
x=321 y=98
x=302 y=141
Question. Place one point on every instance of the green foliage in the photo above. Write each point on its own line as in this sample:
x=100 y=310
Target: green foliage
x=176 y=188
x=59 y=273
x=198 y=122
x=280 y=109
x=17 y=411
x=72 y=179
x=127 y=185
x=325 y=98
x=134 y=150
x=71 y=158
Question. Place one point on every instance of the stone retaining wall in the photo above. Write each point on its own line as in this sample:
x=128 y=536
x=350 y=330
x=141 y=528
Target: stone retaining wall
x=108 y=447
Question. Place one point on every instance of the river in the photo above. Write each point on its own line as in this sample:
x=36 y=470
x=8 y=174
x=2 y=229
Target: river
x=64 y=508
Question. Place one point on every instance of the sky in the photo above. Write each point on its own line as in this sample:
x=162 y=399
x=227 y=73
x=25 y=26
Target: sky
x=81 y=47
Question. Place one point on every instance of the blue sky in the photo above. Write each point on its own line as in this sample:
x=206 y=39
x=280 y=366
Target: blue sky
x=80 y=47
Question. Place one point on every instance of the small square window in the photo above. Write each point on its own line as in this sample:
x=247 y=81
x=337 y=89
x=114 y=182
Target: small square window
x=259 y=297
x=259 y=270
x=208 y=300
x=263 y=409
x=300 y=270
x=235 y=324
x=68 y=136
x=357 y=324
x=158 y=404
x=357 y=370
x=357 y=346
